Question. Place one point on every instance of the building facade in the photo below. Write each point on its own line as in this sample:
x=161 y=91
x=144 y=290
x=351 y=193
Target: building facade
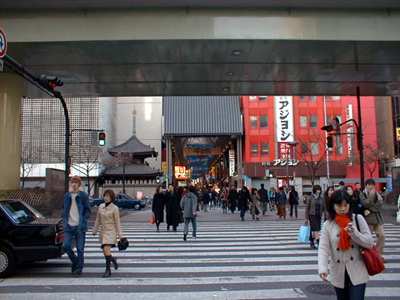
x=283 y=140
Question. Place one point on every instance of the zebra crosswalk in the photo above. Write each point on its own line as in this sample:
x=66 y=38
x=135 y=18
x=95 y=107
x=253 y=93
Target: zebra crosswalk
x=228 y=260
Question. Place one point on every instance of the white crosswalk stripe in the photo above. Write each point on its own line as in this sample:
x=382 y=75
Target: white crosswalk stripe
x=228 y=260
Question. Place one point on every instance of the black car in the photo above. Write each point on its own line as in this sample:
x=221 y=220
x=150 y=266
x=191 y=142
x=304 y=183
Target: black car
x=123 y=201
x=26 y=236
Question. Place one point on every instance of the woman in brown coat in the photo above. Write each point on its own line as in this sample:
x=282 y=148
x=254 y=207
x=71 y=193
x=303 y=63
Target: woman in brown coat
x=108 y=219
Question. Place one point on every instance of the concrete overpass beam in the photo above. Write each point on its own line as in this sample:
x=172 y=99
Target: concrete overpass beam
x=171 y=24
x=11 y=92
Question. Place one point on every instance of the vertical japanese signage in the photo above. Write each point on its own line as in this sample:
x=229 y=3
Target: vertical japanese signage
x=350 y=134
x=232 y=162
x=284 y=119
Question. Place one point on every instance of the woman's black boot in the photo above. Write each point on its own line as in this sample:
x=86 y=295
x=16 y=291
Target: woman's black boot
x=114 y=262
x=107 y=273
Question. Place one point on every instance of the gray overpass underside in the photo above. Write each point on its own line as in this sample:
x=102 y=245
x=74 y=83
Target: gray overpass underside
x=70 y=4
x=139 y=52
x=209 y=67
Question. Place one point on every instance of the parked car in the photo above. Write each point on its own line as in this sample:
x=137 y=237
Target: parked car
x=123 y=201
x=26 y=236
x=95 y=201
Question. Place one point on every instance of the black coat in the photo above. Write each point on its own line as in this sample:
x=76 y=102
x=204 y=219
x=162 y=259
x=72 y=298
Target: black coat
x=294 y=198
x=232 y=198
x=244 y=198
x=172 y=208
x=206 y=197
x=158 y=206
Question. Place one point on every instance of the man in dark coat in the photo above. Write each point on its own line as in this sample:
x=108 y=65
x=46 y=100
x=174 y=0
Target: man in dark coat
x=158 y=207
x=293 y=201
x=232 y=199
x=263 y=193
x=173 y=210
x=243 y=201
x=206 y=200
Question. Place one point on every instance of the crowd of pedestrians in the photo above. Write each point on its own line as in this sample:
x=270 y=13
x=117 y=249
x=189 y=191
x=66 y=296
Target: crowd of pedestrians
x=350 y=214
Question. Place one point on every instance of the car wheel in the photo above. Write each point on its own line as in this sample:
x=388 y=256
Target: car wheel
x=137 y=206
x=7 y=262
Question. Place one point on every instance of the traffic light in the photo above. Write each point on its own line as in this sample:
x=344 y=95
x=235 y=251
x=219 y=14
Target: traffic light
x=50 y=82
x=329 y=141
x=102 y=138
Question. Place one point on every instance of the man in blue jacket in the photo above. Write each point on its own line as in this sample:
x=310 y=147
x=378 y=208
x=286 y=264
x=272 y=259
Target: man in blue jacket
x=75 y=216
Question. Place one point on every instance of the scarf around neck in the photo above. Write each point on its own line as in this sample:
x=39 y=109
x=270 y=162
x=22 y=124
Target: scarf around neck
x=344 y=238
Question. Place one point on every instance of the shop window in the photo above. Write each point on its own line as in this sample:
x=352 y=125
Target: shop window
x=264 y=121
x=254 y=149
x=253 y=121
x=314 y=148
x=265 y=149
x=313 y=121
x=263 y=98
x=340 y=149
x=253 y=98
x=303 y=121
x=304 y=148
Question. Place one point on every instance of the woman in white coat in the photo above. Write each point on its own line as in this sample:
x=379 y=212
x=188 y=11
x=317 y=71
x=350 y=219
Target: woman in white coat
x=108 y=219
x=339 y=258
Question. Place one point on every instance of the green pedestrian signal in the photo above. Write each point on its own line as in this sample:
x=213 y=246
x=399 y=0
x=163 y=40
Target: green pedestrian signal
x=102 y=138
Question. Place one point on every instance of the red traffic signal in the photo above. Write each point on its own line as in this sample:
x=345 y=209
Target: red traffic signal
x=102 y=138
x=50 y=82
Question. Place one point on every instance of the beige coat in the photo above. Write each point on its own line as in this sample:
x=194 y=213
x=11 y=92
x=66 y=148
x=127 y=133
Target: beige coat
x=334 y=262
x=108 y=219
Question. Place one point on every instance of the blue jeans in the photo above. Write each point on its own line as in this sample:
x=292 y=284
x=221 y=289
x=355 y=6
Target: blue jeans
x=73 y=234
x=350 y=291
x=194 y=226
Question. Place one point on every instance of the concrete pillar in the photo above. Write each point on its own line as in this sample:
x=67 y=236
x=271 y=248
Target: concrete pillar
x=11 y=92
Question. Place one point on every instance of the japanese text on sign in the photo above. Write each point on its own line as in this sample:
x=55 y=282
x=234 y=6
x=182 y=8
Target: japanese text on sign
x=284 y=118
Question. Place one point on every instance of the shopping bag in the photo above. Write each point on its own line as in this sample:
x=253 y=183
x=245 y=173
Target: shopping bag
x=304 y=234
x=152 y=219
x=398 y=217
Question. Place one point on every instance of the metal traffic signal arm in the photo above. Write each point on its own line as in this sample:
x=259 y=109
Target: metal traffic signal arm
x=359 y=135
x=47 y=84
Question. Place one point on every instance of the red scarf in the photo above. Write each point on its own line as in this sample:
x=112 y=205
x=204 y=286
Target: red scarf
x=344 y=238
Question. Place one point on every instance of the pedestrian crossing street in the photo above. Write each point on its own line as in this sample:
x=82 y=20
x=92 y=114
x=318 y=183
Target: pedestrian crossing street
x=229 y=260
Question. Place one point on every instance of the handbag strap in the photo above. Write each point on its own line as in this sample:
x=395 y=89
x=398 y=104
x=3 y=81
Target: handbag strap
x=358 y=226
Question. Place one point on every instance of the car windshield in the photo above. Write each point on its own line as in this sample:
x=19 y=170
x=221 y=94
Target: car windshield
x=19 y=212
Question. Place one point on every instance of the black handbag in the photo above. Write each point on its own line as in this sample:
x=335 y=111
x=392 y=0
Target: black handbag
x=123 y=244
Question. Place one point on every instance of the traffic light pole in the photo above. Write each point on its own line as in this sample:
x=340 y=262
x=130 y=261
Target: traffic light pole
x=360 y=143
x=44 y=84
x=359 y=135
x=58 y=95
